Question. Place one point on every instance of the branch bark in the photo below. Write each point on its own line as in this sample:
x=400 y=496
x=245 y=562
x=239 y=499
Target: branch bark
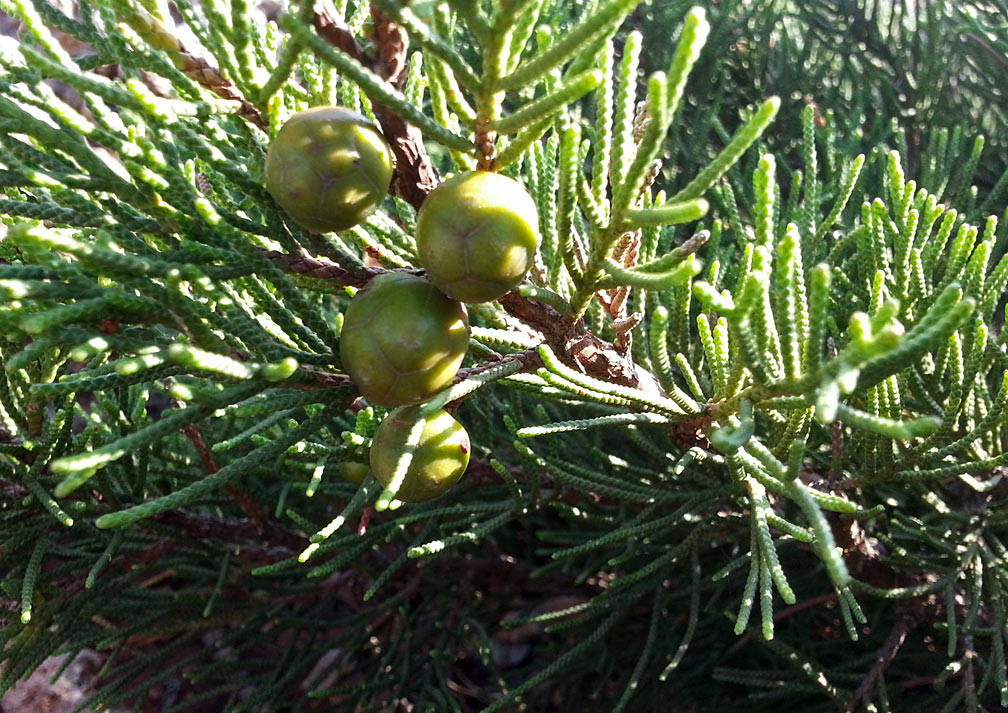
x=415 y=175
x=321 y=268
x=883 y=657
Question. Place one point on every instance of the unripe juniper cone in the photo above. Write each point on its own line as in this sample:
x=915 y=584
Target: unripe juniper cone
x=440 y=458
x=328 y=168
x=477 y=235
x=354 y=472
x=402 y=339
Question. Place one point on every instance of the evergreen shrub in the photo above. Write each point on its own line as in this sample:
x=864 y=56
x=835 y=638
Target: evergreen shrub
x=736 y=441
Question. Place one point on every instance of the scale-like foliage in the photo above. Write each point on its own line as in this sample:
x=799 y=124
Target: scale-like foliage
x=746 y=368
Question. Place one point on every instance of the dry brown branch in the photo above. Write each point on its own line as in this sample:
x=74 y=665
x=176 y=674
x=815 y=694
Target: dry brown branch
x=207 y=76
x=321 y=268
x=415 y=175
x=196 y=68
x=883 y=657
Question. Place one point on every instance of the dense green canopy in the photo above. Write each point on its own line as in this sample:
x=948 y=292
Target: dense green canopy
x=735 y=441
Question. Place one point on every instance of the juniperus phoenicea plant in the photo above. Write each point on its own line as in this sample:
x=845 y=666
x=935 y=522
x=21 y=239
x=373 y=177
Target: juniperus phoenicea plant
x=735 y=442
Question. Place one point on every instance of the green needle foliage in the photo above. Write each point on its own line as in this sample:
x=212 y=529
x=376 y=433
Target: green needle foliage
x=744 y=423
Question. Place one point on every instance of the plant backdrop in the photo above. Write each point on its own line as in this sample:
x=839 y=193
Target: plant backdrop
x=737 y=440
